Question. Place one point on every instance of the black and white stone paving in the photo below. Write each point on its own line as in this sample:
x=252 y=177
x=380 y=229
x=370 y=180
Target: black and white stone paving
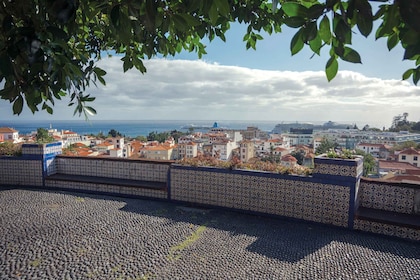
x=61 y=235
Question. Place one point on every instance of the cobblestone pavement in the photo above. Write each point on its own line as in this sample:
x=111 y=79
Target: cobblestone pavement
x=59 y=235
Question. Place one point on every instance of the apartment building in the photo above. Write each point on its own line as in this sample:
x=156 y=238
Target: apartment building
x=376 y=150
x=299 y=137
x=104 y=147
x=411 y=156
x=246 y=150
x=349 y=138
x=187 y=150
x=157 y=152
x=223 y=150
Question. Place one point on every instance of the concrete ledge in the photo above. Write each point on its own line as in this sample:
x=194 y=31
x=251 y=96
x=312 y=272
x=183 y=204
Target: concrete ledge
x=388 y=217
x=109 y=181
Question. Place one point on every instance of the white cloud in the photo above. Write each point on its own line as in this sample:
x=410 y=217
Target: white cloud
x=184 y=89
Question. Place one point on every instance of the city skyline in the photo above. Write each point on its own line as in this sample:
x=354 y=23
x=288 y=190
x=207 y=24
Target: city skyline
x=230 y=83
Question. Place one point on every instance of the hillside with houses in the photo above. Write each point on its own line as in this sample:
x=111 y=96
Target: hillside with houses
x=396 y=154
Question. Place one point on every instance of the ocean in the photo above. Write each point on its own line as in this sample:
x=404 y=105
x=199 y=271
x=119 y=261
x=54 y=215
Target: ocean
x=130 y=128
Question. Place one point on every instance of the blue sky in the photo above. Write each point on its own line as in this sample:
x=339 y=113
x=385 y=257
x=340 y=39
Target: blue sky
x=273 y=53
x=232 y=83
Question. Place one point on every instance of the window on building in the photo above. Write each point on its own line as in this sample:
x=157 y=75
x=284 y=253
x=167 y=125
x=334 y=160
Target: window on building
x=415 y=158
x=403 y=157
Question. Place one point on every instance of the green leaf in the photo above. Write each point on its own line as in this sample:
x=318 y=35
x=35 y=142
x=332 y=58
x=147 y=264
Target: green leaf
x=89 y=110
x=416 y=76
x=365 y=25
x=223 y=7
x=316 y=44
x=128 y=63
x=364 y=17
x=115 y=15
x=180 y=23
x=343 y=32
x=294 y=22
x=190 y=20
x=324 y=30
x=101 y=80
x=392 y=41
x=213 y=13
x=409 y=37
x=50 y=110
x=331 y=68
x=390 y=20
x=411 y=51
x=5 y=65
x=58 y=33
x=8 y=93
x=296 y=44
x=18 y=105
x=309 y=32
x=407 y=74
x=316 y=11
x=351 y=55
x=293 y=9
x=98 y=71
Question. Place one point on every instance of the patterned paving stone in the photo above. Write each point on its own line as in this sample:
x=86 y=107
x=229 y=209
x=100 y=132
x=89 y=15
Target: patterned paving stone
x=60 y=235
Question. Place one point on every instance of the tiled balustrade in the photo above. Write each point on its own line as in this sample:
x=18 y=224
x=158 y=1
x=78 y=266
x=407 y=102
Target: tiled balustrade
x=324 y=200
x=330 y=196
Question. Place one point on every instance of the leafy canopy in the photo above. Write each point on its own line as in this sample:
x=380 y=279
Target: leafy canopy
x=42 y=136
x=49 y=48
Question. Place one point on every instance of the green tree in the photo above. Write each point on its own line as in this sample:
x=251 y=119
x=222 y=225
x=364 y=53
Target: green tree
x=299 y=155
x=401 y=123
x=49 y=49
x=369 y=162
x=325 y=146
x=114 y=133
x=160 y=137
x=415 y=126
x=43 y=137
x=141 y=138
x=405 y=145
x=177 y=134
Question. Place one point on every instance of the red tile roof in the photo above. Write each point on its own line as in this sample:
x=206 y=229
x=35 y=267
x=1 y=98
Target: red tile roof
x=395 y=165
x=409 y=151
x=404 y=178
x=288 y=158
x=7 y=130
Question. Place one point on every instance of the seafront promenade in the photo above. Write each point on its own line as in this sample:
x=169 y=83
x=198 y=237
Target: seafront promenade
x=61 y=235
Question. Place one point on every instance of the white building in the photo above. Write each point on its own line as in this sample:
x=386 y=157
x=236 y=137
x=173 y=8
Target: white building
x=116 y=152
x=376 y=150
x=118 y=142
x=410 y=156
x=295 y=139
x=9 y=134
x=223 y=150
